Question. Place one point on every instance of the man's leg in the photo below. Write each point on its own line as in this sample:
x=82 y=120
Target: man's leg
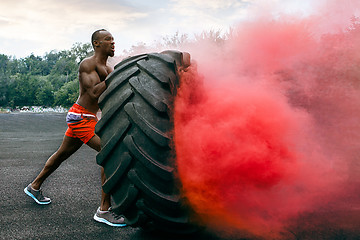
x=67 y=148
x=104 y=214
x=94 y=143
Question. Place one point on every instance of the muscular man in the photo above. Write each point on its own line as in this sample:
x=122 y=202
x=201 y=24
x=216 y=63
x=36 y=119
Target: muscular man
x=81 y=120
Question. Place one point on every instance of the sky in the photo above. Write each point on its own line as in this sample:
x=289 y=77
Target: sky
x=39 y=26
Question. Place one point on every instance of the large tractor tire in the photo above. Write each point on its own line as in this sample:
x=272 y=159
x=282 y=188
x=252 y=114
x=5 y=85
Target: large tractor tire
x=136 y=142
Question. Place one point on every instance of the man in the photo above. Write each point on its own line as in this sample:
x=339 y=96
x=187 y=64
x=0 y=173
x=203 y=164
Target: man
x=81 y=120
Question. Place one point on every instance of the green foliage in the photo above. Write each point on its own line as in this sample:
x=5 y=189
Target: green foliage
x=44 y=92
x=4 y=60
x=53 y=78
x=44 y=81
x=81 y=51
x=67 y=94
x=21 y=90
x=3 y=88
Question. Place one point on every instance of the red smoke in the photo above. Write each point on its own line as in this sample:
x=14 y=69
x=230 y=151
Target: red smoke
x=267 y=133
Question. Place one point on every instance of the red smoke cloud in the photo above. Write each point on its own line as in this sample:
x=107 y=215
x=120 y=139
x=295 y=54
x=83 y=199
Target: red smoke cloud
x=267 y=131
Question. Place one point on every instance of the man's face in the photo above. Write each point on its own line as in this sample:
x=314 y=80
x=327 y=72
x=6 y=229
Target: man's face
x=106 y=43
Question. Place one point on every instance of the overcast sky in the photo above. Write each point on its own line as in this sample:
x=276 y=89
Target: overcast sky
x=39 y=26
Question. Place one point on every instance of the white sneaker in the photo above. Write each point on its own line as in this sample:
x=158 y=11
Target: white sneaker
x=36 y=195
x=110 y=218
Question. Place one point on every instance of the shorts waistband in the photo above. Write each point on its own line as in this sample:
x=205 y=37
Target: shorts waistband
x=82 y=114
x=77 y=112
x=78 y=109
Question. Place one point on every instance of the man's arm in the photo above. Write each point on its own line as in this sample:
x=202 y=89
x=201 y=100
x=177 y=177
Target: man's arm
x=90 y=80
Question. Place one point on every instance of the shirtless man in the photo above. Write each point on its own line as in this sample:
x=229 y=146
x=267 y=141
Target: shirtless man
x=81 y=120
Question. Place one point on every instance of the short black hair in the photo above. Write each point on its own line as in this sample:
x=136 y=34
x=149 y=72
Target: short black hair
x=95 y=36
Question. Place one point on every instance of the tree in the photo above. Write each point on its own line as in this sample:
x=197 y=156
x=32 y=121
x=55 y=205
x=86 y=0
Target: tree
x=35 y=65
x=176 y=40
x=67 y=94
x=42 y=80
x=44 y=93
x=211 y=36
x=4 y=60
x=81 y=51
x=21 y=90
x=15 y=66
x=51 y=59
x=4 y=79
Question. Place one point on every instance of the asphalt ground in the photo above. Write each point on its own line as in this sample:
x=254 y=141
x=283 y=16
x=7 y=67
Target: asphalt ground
x=26 y=141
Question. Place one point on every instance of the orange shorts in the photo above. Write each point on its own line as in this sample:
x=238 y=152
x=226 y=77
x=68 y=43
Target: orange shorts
x=81 y=123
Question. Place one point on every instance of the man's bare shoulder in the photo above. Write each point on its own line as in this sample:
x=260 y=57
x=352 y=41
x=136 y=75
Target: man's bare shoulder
x=88 y=65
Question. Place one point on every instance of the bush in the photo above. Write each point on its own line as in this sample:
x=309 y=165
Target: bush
x=67 y=94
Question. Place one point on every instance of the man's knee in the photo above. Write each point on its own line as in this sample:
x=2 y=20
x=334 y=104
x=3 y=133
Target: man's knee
x=94 y=143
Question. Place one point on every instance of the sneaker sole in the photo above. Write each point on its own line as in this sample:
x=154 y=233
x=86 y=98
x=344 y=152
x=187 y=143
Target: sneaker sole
x=102 y=220
x=34 y=198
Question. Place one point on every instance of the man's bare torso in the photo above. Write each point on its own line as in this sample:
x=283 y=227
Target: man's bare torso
x=92 y=74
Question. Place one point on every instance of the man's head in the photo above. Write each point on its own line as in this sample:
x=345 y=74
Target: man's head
x=103 y=41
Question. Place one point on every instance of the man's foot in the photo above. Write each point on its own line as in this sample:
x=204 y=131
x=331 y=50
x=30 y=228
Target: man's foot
x=109 y=218
x=36 y=195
